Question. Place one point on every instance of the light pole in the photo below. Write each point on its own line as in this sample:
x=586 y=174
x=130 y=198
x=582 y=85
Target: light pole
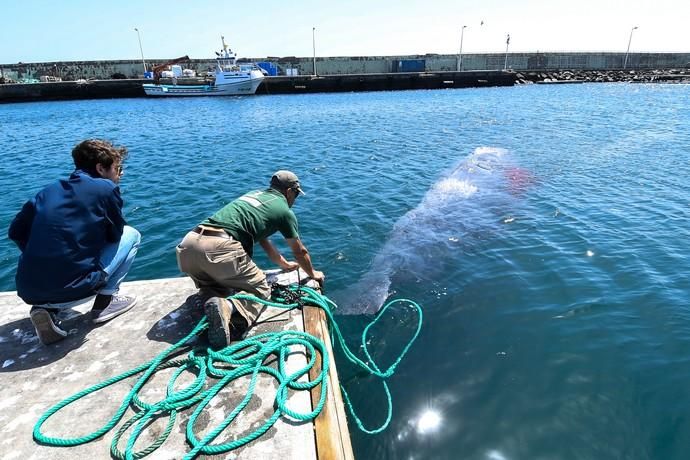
x=313 y=44
x=625 y=62
x=141 y=50
x=462 y=35
x=505 y=64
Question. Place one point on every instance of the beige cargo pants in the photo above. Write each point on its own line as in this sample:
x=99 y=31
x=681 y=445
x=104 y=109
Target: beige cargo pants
x=220 y=267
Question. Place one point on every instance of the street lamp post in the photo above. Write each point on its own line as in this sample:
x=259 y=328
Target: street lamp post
x=313 y=44
x=505 y=63
x=141 y=50
x=462 y=35
x=625 y=62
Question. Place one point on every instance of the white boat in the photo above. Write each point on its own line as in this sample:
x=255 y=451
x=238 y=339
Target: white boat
x=231 y=79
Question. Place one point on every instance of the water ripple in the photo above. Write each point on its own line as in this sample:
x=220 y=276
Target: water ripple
x=557 y=323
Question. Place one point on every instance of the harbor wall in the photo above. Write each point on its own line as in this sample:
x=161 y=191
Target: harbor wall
x=100 y=89
x=74 y=70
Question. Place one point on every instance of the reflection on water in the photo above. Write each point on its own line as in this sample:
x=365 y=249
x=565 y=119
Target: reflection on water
x=495 y=455
x=428 y=422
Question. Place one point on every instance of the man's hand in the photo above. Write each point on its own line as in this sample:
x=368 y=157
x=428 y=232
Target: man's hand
x=289 y=266
x=304 y=260
x=318 y=276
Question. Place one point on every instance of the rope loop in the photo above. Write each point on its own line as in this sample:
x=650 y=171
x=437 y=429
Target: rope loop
x=213 y=370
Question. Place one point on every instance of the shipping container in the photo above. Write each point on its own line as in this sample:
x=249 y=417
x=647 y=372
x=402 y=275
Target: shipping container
x=409 y=65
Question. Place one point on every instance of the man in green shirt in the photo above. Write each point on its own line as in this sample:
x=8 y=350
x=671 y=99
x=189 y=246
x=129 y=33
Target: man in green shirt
x=217 y=255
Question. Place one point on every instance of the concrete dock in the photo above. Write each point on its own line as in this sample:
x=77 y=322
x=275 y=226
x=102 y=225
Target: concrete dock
x=108 y=89
x=34 y=377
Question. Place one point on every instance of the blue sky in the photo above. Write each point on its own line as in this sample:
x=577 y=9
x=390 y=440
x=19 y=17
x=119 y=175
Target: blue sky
x=40 y=30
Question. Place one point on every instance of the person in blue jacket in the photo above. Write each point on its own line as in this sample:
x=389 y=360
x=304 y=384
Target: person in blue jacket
x=75 y=243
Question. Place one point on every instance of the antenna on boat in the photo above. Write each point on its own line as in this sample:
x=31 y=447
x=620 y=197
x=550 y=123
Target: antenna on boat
x=225 y=47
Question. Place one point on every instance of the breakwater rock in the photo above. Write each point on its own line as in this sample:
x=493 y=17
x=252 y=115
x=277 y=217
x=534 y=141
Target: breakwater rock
x=605 y=76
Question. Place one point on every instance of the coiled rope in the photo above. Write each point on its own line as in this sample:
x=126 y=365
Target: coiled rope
x=216 y=369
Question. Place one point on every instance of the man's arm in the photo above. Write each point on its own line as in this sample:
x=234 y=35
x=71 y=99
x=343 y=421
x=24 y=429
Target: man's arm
x=276 y=257
x=304 y=260
x=113 y=214
x=20 y=228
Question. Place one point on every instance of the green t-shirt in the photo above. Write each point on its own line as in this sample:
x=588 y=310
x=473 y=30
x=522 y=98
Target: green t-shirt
x=256 y=216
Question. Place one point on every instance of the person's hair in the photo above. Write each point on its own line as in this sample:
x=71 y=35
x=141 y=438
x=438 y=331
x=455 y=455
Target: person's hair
x=87 y=154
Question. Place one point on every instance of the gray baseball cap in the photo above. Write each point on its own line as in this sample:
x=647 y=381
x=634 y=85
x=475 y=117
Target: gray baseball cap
x=287 y=179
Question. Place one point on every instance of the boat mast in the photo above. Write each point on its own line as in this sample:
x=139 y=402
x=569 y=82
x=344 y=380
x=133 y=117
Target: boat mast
x=225 y=47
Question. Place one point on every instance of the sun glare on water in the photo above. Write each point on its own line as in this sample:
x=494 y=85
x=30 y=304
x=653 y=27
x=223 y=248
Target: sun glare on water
x=428 y=422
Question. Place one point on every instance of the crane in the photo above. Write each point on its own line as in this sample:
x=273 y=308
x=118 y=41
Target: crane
x=160 y=67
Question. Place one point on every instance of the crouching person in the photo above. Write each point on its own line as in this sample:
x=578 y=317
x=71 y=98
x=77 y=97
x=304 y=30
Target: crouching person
x=74 y=242
x=217 y=255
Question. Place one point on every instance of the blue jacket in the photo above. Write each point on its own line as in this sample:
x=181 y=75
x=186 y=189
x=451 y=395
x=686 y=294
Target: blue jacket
x=61 y=233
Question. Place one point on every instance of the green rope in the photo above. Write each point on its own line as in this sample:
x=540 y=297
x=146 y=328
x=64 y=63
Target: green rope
x=214 y=370
x=315 y=298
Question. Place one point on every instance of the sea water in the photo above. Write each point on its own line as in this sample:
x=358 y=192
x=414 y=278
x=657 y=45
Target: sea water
x=555 y=285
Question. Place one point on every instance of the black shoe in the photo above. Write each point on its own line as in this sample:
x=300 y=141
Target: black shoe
x=219 y=313
x=46 y=325
x=240 y=326
x=198 y=300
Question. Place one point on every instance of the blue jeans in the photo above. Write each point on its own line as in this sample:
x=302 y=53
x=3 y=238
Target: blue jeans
x=117 y=259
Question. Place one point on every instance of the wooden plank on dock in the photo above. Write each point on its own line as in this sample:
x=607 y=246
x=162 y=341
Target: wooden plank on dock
x=331 y=431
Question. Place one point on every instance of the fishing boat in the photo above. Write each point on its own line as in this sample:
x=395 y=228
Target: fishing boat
x=231 y=79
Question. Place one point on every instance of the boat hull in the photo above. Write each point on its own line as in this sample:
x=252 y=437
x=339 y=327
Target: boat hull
x=244 y=87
